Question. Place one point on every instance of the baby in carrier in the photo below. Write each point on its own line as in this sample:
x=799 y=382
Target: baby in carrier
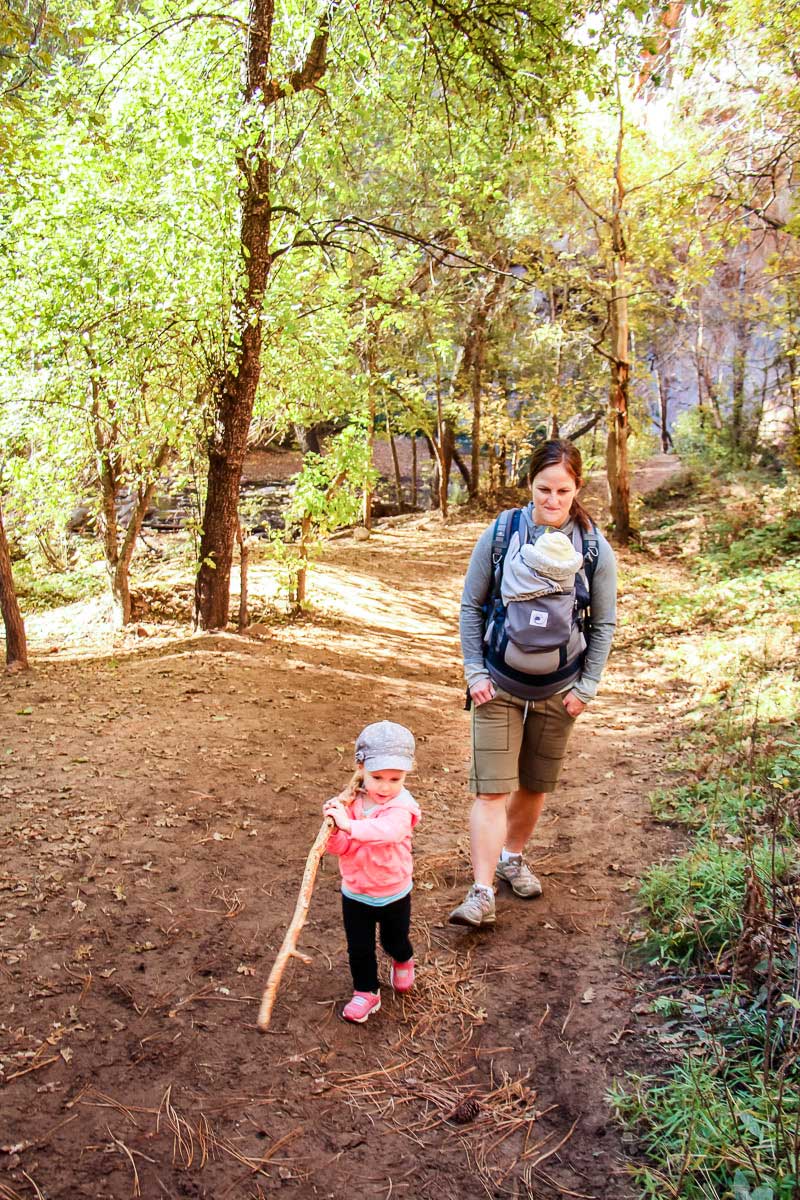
x=535 y=637
x=540 y=568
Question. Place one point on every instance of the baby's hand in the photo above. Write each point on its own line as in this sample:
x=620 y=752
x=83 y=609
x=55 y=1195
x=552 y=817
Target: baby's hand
x=338 y=813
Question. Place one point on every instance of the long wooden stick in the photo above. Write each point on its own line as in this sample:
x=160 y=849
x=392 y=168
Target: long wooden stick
x=289 y=944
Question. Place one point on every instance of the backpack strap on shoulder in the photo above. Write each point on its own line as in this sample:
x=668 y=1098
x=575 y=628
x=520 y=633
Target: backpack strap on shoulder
x=505 y=526
x=590 y=548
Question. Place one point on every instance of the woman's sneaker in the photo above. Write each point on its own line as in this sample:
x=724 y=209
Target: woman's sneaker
x=516 y=872
x=401 y=976
x=359 y=1008
x=477 y=909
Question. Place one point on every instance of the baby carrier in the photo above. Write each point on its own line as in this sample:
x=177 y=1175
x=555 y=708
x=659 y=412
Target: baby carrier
x=537 y=614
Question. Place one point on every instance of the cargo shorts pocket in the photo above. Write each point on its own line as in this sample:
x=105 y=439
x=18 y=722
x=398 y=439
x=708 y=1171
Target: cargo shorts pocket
x=490 y=726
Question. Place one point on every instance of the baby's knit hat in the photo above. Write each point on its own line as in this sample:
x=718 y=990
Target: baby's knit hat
x=553 y=555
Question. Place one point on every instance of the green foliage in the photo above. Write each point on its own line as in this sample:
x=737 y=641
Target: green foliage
x=714 y=1132
x=720 y=1119
x=39 y=590
x=693 y=904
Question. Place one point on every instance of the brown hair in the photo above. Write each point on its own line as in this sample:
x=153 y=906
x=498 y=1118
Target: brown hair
x=561 y=452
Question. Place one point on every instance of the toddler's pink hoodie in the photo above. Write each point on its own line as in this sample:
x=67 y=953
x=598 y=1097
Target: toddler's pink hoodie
x=375 y=856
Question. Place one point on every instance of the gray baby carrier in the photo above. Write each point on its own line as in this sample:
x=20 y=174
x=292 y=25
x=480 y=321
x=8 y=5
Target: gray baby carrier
x=536 y=617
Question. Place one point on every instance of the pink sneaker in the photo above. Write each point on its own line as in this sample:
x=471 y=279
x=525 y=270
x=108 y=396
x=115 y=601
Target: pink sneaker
x=360 y=1007
x=401 y=976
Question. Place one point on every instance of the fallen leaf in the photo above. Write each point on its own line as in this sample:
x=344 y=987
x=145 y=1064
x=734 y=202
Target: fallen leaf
x=588 y=996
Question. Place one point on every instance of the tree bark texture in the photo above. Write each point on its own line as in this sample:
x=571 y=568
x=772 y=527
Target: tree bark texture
x=235 y=394
x=16 y=644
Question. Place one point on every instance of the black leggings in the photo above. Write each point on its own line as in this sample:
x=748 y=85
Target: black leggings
x=360 y=920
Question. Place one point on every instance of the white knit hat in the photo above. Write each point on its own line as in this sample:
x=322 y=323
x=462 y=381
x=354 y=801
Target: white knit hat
x=553 y=555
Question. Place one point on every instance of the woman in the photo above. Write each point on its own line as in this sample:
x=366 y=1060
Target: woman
x=520 y=724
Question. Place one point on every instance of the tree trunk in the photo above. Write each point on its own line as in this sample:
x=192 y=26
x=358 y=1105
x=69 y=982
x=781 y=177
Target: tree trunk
x=414 y=478
x=16 y=645
x=617 y=442
x=462 y=466
x=398 y=480
x=236 y=391
x=308 y=439
x=468 y=376
x=663 y=407
x=118 y=555
x=366 y=515
x=244 y=559
x=739 y=368
x=298 y=599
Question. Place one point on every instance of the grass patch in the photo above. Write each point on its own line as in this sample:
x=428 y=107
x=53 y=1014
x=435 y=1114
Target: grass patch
x=694 y=905
x=721 y=1120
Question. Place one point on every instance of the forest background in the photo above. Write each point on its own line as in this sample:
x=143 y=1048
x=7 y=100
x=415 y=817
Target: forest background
x=426 y=234
x=465 y=224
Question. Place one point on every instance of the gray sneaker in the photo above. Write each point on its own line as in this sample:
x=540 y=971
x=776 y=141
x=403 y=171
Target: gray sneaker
x=520 y=877
x=477 y=909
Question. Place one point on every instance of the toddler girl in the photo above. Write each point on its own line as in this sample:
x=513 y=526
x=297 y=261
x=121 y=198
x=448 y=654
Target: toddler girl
x=373 y=841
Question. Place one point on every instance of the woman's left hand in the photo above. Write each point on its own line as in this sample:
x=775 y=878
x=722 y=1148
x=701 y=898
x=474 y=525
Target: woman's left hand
x=573 y=704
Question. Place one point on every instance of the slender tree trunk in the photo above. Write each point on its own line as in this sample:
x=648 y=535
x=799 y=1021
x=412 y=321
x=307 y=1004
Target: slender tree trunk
x=617 y=441
x=236 y=392
x=298 y=599
x=244 y=559
x=555 y=396
x=367 y=366
x=16 y=644
x=441 y=446
x=663 y=407
x=298 y=596
x=398 y=480
x=739 y=367
x=118 y=554
x=464 y=470
x=468 y=375
x=414 y=477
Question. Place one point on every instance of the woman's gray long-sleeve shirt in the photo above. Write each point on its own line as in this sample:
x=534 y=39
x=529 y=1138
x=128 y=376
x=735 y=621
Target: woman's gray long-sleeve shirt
x=478 y=586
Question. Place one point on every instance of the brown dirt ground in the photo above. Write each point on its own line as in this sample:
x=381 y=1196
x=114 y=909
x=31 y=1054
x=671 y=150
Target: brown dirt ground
x=158 y=802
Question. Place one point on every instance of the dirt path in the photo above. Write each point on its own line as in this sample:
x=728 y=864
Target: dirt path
x=157 y=806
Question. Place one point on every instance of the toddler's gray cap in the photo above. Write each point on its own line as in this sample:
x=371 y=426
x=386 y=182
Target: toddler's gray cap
x=385 y=746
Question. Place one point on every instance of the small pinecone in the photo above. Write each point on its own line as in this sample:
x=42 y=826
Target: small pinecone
x=466 y=1111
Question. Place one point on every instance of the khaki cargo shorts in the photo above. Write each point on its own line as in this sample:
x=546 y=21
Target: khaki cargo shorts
x=511 y=750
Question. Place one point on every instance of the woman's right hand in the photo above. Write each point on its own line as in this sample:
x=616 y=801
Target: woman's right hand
x=482 y=693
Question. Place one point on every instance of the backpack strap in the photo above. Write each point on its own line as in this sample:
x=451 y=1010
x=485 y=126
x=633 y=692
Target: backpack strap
x=590 y=548
x=505 y=526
